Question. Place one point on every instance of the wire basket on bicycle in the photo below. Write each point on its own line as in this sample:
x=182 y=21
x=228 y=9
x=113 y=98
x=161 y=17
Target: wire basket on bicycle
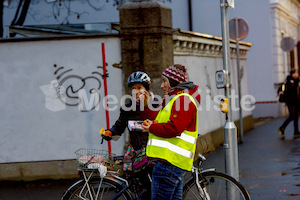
x=93 y=158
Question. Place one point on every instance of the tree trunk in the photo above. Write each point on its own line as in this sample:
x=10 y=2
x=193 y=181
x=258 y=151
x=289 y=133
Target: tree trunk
x=20 y=17
x=1 y=19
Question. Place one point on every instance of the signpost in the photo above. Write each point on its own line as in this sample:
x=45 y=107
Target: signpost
x=230 y=135
x=238 y=30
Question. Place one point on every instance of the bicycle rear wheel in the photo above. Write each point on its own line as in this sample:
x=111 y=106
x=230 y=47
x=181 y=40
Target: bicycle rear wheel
x=109 y=188
x=217 y=185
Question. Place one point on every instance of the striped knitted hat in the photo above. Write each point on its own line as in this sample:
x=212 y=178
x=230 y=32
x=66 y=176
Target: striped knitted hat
x=176 y=74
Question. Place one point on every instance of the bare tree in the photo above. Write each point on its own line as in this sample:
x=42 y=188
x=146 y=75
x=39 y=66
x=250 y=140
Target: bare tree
x=1 y=19
x=20 y=15
x=58 y=5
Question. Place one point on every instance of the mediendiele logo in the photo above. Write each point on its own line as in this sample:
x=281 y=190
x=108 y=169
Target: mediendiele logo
x=52 y=93
x=55 y=100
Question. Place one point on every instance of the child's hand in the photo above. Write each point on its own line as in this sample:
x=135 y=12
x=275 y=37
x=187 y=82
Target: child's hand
x=144 y=97
x=106 y=134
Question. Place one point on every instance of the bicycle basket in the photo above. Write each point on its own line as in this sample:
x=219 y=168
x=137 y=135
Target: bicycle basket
x=93 y=158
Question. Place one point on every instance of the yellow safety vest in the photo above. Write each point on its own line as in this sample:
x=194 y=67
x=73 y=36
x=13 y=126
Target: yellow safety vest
x=180 y=150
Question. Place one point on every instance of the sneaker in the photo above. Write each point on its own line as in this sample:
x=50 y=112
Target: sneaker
x=281 y=132
x=297 y=135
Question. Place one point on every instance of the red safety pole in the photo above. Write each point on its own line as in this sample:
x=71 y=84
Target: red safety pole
x=105 y=94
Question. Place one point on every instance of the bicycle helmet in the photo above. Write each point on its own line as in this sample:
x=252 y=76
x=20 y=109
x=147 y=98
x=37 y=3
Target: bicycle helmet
x=139 y=77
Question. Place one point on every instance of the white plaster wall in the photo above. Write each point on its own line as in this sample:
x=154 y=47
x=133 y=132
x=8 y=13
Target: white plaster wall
x=265 y=61
x=202 y=72
x=31 y=132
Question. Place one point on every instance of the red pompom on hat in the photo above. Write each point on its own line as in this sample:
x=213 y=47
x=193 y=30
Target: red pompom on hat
x=176 y=74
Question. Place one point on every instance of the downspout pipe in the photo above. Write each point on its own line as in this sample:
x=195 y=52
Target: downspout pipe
x=190 y=15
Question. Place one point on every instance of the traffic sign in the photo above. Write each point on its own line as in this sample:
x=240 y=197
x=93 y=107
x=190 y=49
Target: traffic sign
x=242 y=28
x=287 y=44
x=220 y=79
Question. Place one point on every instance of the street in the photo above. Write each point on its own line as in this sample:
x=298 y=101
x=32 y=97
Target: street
x=269 y=168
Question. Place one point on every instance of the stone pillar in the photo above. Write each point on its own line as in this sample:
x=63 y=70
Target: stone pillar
x=146 y=40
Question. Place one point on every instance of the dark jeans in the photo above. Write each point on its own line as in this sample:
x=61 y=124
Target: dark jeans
x=293 y=116
x=167 y=182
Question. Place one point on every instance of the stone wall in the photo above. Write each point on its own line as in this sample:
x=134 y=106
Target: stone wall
x=146 y=39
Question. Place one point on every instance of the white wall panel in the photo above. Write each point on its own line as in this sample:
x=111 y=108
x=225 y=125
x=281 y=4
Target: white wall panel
x=30 y=131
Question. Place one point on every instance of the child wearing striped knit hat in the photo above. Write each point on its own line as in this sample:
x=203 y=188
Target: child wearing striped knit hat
x=176 y=74
x=177 y=80
x=178 y=118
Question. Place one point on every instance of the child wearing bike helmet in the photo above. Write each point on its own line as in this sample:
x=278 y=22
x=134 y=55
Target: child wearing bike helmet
x=136 y=110
x=139 y=83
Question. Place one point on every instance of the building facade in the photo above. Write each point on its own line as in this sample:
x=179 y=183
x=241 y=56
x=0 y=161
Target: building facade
x=196 y=44
x=46 y=79
x=269 y=22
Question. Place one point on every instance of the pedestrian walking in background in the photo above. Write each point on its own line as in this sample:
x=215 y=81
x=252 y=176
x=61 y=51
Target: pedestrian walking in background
x=293 y=103
x=172 y=139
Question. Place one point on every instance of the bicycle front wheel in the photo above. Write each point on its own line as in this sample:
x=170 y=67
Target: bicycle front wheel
x=215 y=186
x=96 y=189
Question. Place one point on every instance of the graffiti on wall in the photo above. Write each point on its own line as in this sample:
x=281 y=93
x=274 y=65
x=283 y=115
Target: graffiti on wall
x=80 y=91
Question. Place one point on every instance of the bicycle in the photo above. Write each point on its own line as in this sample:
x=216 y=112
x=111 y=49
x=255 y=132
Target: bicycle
x=204 y=184
x=102 y=180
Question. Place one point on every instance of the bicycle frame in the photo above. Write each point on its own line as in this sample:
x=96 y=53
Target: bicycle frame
x=137 y=196
x=87 y=179
x=196 y=173
x=123 y=189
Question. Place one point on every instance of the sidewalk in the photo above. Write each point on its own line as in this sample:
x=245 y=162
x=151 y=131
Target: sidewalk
x=269 y=168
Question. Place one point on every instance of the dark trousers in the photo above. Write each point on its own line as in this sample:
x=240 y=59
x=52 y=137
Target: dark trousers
x=293 y=116
x=167 y=182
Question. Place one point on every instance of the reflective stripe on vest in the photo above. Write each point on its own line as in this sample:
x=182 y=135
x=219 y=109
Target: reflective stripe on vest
x=179 y=150
x=171 y=147
x=187 y=138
